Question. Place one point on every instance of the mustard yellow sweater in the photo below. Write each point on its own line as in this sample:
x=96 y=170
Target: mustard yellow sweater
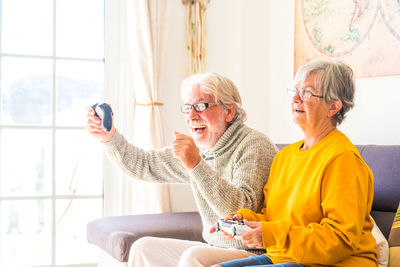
x=317 y=205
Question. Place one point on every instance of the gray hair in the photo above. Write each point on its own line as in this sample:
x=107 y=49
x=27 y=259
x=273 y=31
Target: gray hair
x=221 y=88
x=335 y=79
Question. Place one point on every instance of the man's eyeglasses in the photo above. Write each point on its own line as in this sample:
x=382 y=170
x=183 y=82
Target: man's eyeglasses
x=304 y=94
x=199 y=107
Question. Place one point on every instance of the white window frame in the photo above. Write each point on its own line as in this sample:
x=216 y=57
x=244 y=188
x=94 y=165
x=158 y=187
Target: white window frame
x=53 y=197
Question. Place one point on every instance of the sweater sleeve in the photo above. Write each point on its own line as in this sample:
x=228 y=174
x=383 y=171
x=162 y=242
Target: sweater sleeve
x=244 y=187
x=153 y=166
x=346 y=197
x=251 y=215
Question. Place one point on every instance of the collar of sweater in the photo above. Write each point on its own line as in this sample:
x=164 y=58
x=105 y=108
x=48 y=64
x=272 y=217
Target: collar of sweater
x=224 y=141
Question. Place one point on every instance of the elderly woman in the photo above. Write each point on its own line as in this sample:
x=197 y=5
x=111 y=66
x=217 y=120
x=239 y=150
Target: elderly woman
x=319 y=193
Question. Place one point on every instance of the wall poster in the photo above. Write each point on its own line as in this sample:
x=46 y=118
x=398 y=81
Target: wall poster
x=363 y=33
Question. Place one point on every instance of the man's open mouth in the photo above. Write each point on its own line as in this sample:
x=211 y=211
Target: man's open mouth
x=199 y=129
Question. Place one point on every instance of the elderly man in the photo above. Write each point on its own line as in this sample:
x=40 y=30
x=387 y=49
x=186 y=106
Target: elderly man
x=225 y=162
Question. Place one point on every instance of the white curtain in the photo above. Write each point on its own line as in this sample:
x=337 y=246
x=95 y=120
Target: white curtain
x=135 y=41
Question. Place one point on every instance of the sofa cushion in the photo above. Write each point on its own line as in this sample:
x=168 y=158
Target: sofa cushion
x=384 y=162
x=384 y=220
x=382 y=246
x=116 y=234
x=394 y=241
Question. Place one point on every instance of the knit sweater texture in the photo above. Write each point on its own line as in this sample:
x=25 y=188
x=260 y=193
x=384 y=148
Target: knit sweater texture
x=317 y=206
x=230 y=176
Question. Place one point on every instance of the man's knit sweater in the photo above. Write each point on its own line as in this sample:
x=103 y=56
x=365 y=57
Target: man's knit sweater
x=231 y=175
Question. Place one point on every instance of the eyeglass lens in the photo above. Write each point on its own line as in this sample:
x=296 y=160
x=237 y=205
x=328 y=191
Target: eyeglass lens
x=303 y=94
x=199 y=107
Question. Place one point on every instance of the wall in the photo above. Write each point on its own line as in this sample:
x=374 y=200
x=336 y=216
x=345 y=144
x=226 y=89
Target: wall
x=251 y=42
x=375 y=117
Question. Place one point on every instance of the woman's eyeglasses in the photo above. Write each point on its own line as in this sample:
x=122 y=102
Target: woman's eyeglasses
x=304 y=94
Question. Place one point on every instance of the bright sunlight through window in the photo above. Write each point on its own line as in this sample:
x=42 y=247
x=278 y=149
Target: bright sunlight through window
x=51 y=69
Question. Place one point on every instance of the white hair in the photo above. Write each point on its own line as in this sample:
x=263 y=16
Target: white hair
x=221 y=88
x=335 y=79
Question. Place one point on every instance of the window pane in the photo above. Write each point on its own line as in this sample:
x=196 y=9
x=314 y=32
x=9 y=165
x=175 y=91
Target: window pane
x=25 y=162
x=79 y=85
x=27 y=27
x=79 y=161
x=72 y=217
x=26 y=91
x=25 y=233
x=82 y=36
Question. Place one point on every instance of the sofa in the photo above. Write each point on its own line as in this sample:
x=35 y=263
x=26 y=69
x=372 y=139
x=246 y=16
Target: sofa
x=115 y=235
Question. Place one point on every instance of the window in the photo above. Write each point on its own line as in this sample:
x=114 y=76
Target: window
x=51 y=69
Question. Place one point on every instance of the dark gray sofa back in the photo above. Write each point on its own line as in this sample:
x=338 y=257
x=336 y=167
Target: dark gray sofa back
x=384 y=162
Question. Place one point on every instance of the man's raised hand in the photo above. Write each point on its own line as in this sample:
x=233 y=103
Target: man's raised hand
x=185 y=149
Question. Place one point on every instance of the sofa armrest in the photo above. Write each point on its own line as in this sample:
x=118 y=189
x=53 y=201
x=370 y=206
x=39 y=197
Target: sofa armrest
x=116 y=234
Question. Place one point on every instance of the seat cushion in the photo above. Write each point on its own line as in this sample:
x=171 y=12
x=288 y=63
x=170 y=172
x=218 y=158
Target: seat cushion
x=116 y=234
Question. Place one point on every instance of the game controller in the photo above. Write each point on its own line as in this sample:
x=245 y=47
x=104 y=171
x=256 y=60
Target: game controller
x=103 y=111
x=232 y=227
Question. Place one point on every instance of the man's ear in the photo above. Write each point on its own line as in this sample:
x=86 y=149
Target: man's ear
x=231 y=111
x=334 y=108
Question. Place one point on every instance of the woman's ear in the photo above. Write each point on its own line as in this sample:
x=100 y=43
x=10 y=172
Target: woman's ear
x=334 y=108
x=231 y=111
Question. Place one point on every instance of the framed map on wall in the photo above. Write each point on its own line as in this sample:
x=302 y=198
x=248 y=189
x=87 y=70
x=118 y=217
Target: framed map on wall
x=363 y=33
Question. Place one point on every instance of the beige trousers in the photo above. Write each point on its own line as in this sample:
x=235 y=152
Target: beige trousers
x=167 y=252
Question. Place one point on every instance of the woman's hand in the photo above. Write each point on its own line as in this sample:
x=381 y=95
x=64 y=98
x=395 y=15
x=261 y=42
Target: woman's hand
x=252 y=238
